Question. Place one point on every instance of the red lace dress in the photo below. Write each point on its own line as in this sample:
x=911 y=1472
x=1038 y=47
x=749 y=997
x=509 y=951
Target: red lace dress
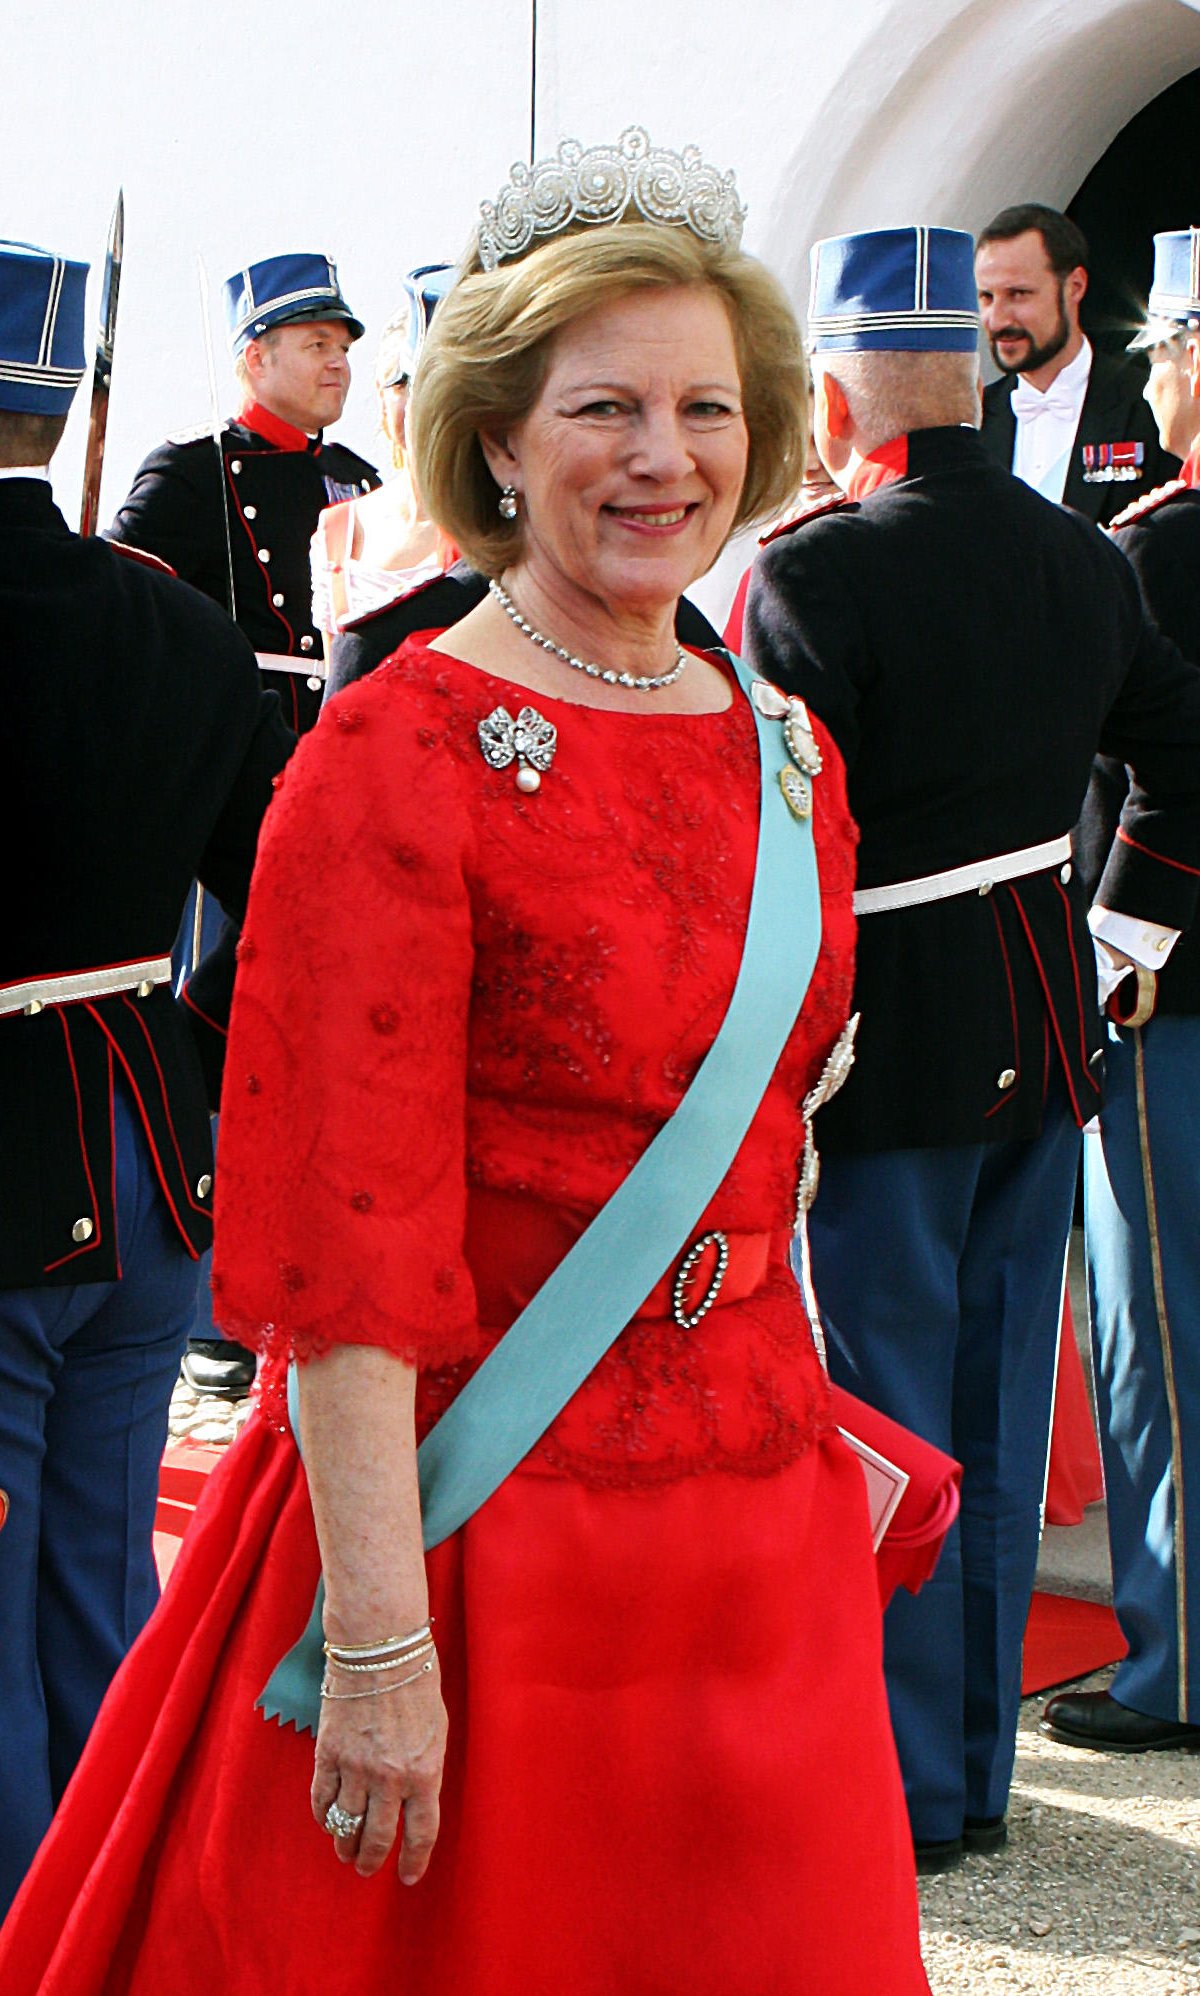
x=462 y=1013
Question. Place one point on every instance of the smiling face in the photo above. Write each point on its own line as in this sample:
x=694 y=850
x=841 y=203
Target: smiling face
x=1030 y=314
x=630 y=464
x=302 y=374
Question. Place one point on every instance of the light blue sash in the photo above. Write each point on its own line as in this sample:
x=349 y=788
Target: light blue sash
x=565 y=1329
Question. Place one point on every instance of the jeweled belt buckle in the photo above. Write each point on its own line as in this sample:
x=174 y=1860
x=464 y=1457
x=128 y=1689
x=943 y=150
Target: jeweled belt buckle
x=688 y=1320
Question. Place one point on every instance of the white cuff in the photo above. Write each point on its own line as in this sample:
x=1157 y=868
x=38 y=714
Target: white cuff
x=1148 y=943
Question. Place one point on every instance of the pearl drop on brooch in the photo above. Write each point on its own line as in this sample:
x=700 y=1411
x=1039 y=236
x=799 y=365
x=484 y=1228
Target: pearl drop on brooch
x=528 y=780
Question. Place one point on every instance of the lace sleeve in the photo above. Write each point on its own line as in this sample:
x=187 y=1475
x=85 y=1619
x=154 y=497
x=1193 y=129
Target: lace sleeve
x=341 y=1187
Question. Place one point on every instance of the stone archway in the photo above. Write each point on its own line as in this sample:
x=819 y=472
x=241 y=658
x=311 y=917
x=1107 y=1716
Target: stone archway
x=947 y=112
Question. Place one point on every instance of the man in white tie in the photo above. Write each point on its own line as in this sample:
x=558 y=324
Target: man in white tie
x=1069 y=421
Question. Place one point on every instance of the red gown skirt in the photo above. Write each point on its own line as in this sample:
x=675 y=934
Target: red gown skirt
x=670 y=1770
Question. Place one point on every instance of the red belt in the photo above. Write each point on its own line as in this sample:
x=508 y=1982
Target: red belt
x=515 y=1243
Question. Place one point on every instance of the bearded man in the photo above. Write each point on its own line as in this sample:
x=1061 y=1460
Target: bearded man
x=1069 y=421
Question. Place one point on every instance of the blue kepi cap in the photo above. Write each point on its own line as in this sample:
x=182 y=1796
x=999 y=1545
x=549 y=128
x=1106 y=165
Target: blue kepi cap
x=403 y=337
x=1175 y=291
x=41 y=329
x=894 y=291
x=280 y=290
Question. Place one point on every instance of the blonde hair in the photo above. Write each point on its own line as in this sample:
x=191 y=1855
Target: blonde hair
x=241 y=373
x=485 y=358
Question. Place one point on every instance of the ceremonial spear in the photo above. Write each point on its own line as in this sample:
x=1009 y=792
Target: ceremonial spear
x=93 y=463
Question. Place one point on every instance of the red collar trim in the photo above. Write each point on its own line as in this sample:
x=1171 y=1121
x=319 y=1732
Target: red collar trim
x=285 y=436
x=879 y=467
x=1189 y=470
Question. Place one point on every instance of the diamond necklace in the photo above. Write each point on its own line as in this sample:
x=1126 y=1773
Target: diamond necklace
x=634 y=681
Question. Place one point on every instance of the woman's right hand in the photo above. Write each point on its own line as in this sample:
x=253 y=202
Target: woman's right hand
x=379 y=1758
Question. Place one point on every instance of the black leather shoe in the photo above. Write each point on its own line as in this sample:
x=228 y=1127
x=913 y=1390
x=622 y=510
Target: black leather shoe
x=218 y=1368
x=1096 y=1719
x=984 y=1834
x=932 y=1858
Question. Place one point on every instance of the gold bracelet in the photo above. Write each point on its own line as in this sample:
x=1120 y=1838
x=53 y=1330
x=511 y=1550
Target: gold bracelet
x=383 y=1663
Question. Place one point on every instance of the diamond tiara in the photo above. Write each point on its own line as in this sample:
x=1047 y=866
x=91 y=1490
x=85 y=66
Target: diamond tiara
x=674 y=189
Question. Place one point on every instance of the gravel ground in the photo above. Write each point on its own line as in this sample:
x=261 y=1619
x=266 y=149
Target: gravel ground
x=1098 y=1892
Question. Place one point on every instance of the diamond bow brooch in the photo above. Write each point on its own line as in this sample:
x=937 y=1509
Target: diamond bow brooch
x=529 y=741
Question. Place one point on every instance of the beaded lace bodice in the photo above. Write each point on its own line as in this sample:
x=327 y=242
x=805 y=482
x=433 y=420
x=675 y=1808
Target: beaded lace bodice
x=463 y=1011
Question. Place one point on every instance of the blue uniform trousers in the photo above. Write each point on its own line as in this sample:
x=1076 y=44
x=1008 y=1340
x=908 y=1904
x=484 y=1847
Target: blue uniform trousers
x=86 y=1374
x=1142 y=1207
x=939 y=1277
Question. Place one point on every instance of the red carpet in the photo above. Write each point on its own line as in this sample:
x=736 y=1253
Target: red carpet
x=180 y=1481
x=1065 y=1639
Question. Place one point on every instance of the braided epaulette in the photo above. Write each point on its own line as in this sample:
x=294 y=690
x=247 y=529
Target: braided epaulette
x=833 y=504
x=1149 y=503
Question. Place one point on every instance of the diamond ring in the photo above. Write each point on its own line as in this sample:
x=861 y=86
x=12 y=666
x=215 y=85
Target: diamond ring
x=340 y=1823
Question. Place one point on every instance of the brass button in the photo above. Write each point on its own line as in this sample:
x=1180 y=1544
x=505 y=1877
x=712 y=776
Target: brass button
x=1006 y=1077
x=145 y=987
x=277 y=599
x=313 y=685
x=204 y=1185
x=82 y=1231
x=235 y=465
x=34 y=1006
x=985 y=886
x=251 y=512
x=264 y=554
x=1162 y=943
x=1064 y=873
x=306 y=644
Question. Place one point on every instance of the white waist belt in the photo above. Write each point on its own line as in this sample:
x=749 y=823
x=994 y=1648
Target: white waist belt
x=286 y=661
x=79 y=984
x=979 y=878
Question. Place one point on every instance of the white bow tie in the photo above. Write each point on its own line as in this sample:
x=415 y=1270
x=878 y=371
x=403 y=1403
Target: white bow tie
x=1028 y=404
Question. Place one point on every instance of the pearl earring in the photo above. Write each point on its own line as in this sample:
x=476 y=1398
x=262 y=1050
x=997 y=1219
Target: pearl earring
x=507 y=503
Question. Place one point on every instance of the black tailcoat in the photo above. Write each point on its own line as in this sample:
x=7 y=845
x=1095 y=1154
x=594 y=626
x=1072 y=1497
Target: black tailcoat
x=1114 y=411
x=137 y=754
x=970 y=646
x=1163 y=544
x=434 y=606
x=272 y=498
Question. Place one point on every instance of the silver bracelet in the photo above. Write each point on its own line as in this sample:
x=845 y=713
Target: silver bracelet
x=386 y=1645
x=376 y=1691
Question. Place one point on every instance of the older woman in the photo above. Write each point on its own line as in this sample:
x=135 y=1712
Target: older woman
x=627 y=1724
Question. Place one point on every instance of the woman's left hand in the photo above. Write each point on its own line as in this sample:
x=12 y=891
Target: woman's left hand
x=377 y=1757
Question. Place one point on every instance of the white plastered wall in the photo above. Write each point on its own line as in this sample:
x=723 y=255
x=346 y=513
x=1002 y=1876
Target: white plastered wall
x=373 y=132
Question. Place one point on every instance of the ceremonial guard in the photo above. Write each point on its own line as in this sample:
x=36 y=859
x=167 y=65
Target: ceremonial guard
x=968 y=695
x=1142 y=1169
x=1069 y=421
x=234 y=513
x=138 y=752
x=232 y=509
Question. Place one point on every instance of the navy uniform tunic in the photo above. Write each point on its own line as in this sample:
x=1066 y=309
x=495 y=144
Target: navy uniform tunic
x=1141 y=1199
x=137 y=752
x=272 y=483
x=970 y=646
